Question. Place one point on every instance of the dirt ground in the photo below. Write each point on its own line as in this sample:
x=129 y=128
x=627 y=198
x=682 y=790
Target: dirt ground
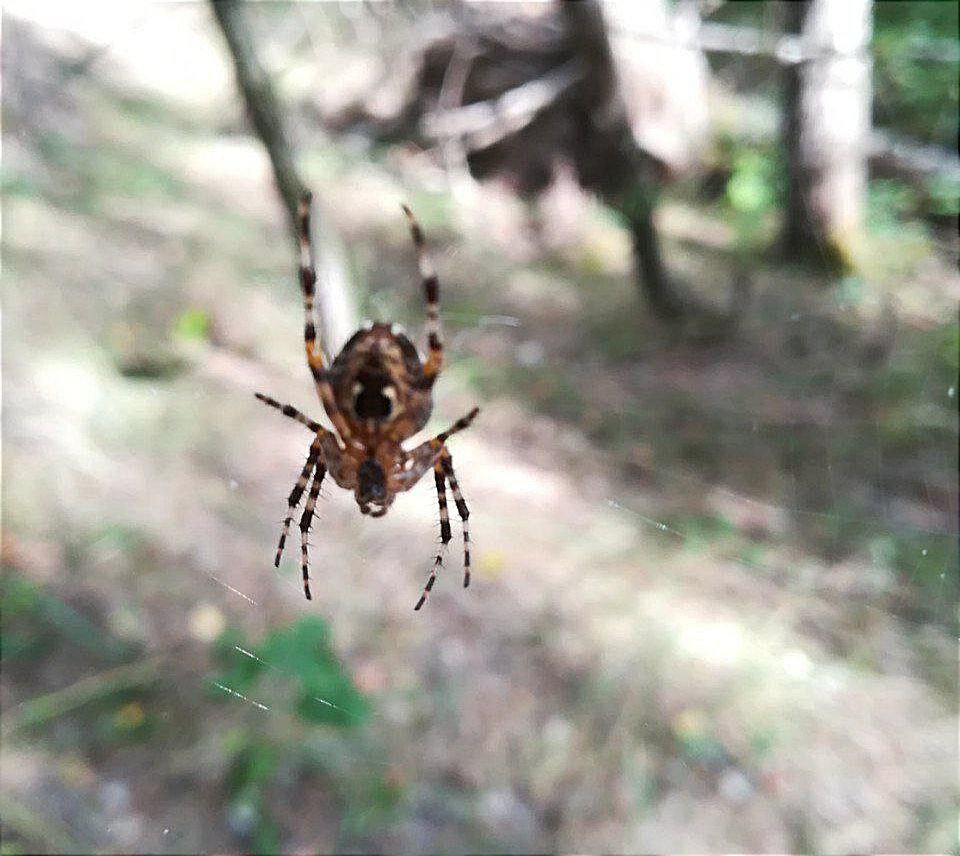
x=714 y=598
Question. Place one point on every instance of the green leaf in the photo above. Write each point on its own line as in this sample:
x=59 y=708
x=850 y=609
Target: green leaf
x=193 y=324
x=325 y=693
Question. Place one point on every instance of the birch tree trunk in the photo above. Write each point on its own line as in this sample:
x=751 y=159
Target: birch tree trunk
x=827 y=129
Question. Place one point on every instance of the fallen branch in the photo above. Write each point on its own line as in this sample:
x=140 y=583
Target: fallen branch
x=42 y=709
x=784 y=49
x=485 y=123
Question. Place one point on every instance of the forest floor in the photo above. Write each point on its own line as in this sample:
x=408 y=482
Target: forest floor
x=715 y=582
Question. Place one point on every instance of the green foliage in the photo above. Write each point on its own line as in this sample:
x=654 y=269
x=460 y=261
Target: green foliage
x=323 y=693
x=113 y=705
x=193 y=323
x=250 y=772
x=320 y=693
x=929 y=561
x=943 y=196
x=32 y=622
x=751 y=188
x=754 y=193
x=703 y=530
x=889 y=204
x=914 y=94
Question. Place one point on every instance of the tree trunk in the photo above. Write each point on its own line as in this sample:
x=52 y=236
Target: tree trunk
x=337 y=313
x=826 y=129
x=609 y=160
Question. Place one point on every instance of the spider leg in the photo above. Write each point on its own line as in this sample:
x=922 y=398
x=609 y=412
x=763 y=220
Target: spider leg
x=445 y=534
x=292 y=412
x=294 y=499
x=315 y=358
x=427 y=453
x=431 y=291
x=446 y=462
x=305 y=522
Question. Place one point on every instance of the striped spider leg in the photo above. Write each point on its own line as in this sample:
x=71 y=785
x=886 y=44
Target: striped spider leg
x=445 y=534
x=431 y=291
x=433 y=453
x=313 y=467
x=324 y=445
x=442 y=473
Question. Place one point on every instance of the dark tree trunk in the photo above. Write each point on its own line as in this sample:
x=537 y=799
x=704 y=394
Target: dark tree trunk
x=608 y=159
x=796 y=232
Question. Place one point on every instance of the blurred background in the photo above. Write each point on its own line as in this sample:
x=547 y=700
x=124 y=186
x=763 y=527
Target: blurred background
x=698 y=266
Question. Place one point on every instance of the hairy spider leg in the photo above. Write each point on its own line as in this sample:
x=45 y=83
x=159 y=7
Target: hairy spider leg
x=294 y=499
x=431 y=291
x=446 y=462
x=315 y=358
x=292 y=412
x=445 y=534
x=424 y=456
x=305 y=522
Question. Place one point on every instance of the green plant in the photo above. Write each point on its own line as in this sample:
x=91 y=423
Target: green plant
x=32 y=620
x=322 y=691
x=297 y=671
x=913 y=92
x=193 y=323
x=753 y=194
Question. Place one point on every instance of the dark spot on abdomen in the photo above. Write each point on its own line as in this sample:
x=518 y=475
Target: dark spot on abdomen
x=371 y=403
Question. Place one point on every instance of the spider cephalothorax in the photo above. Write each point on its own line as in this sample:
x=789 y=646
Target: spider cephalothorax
x=378 y=393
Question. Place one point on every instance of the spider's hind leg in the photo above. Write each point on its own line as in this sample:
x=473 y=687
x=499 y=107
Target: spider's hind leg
x=294 y=499
x=445 y=534
x=305 y=522
x=446 y=461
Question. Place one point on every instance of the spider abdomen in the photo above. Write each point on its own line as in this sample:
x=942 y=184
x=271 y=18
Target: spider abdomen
x=379 y=384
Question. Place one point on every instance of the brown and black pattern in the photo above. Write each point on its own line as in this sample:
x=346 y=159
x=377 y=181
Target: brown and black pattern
x=445 y=534
x=315 y=359
x=290 y=411
x=305 y=522
x=378 y=384
x=378 y=393
x=431 y=293
x=294 y=499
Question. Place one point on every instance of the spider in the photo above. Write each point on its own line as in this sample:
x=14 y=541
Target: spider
x=377 y=393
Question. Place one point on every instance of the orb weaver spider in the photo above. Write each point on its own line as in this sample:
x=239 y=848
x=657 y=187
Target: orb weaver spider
x=377 y=392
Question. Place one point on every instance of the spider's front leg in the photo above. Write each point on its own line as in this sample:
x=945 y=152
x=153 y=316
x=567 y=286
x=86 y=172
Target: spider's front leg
x=314 y=352
x=431 y=293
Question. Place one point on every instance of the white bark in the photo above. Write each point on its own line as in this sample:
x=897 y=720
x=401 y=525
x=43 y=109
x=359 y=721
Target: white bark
x=835 y=95
x=662 y=77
